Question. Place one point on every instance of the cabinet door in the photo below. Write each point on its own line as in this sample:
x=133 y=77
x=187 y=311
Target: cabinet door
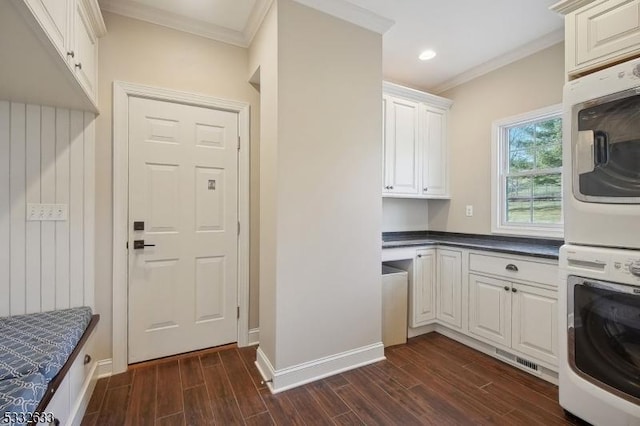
x=402 y=147
x=86 y=50
x=535 y=322
x=605 y=31
x=54 y=16
x=449 y=290
x=490 y=309
x=423 y=288
x=434 y=158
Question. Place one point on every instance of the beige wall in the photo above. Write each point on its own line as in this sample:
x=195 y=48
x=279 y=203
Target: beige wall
x=143 y=53
x=404 y=214
x=528 y=84
x=326 y=199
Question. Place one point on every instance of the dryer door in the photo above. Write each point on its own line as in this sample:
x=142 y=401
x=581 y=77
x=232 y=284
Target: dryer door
x=604 y=335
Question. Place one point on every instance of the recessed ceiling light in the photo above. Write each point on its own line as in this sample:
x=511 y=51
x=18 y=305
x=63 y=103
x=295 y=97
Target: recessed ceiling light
x=427 y=54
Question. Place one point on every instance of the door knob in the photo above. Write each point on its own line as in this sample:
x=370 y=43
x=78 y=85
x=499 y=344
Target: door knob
x=139 y=244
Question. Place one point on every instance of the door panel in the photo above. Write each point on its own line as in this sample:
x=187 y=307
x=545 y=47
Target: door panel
x=535 y=322
x=434 y=172
x=183 y=185
x=490 y=309
x=402 y=146
x=423 y=289
x=449 y=279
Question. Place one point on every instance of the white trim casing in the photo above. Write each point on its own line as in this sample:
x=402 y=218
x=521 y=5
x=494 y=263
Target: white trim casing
x=121 y=93
x=254 y=337
x=105 y=368
x=287 y=378
x=565 y=7
x=497 y=193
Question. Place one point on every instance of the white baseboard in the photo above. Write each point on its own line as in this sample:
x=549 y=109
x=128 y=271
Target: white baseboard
x=80 y=405
x=105 y=368
x=287 y=378
x=413 y=332
x=254 y=337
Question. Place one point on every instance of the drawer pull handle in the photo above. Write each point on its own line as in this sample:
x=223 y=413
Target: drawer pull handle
x=87 y=359
x=512 y=267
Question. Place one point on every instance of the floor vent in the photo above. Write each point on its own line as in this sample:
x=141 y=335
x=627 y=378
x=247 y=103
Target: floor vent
x=520 y=362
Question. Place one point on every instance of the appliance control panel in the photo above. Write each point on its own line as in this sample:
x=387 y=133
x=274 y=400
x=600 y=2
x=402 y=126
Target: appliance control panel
x=614 y=265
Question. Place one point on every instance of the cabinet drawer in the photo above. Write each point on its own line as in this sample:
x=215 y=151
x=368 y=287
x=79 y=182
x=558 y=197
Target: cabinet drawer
x=518 y=269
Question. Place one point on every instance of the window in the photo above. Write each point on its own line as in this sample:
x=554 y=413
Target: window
x=527 y=174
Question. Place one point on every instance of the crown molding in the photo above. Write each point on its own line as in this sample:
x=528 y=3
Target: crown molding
x=95 y=17
x=259 y=12
x=564 y=7
x=351 y=13
x=177 y=22
x=528 y=49
x=394 y=89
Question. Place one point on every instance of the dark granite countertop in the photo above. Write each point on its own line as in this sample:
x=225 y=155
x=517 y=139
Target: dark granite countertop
x=543 y=248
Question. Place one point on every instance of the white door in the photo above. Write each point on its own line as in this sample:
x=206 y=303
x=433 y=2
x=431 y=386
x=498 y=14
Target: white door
x=423 y=288
x=401 y=146
x=535 y=322
x=183 y=167
x=449 y=290
x=490 y=309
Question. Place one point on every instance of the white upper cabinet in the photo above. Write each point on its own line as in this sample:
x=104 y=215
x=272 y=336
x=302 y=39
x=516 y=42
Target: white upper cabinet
x=401 y=146
x=49 y=50
x=599 y=33
x=435 y=162
x=55 y=18
x=415 y=144
x=85 y=49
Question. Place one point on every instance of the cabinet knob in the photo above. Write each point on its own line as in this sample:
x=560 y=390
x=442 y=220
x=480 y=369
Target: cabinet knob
x=419 y=255
x=391 y=187
x=79 y=65
x=387 y=187
x=511 y=267
x=425 y=189
x=513 y=289
x=87 y=359
x=71 y=53
x=506 y=288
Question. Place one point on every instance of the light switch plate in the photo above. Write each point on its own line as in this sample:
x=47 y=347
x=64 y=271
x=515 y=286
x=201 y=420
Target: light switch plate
x=47 y=212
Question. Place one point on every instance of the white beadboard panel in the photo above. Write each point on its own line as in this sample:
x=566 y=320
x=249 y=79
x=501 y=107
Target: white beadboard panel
x=5 y=203
x=48 y=196
x=76 y=209
x=62 y=197
x=33 y=260
x=47 y=155
x=17 y=189
x=89 y=207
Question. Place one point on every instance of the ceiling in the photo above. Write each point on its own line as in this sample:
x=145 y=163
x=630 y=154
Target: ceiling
x=470 y=37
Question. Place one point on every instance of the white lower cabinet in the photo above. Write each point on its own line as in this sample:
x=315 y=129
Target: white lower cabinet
x=422 y=308
x=489 y=309
x=514 y=315
x=534 y=322
x=449 y=287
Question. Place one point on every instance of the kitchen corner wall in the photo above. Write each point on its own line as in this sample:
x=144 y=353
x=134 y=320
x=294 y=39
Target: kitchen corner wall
x=525 y=85
x=139 y=52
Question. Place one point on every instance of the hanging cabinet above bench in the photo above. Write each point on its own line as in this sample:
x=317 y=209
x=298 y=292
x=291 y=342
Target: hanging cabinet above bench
x=49 y=52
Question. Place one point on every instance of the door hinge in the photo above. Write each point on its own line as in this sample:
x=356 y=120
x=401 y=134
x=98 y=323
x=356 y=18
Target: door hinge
x=238 y=227
x=238 y=312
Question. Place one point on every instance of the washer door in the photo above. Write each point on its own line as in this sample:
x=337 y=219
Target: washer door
x=604 y=335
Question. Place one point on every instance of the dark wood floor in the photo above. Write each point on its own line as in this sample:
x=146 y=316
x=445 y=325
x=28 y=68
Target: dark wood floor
x=430 y=380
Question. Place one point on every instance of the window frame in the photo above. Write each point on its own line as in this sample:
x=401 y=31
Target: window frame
x=499 y=167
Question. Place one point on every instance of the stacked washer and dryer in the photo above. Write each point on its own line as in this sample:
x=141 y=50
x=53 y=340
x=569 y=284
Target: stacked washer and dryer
x=600 y=262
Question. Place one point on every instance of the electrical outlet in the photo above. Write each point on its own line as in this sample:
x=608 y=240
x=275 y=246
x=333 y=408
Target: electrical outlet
x=469 y=210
